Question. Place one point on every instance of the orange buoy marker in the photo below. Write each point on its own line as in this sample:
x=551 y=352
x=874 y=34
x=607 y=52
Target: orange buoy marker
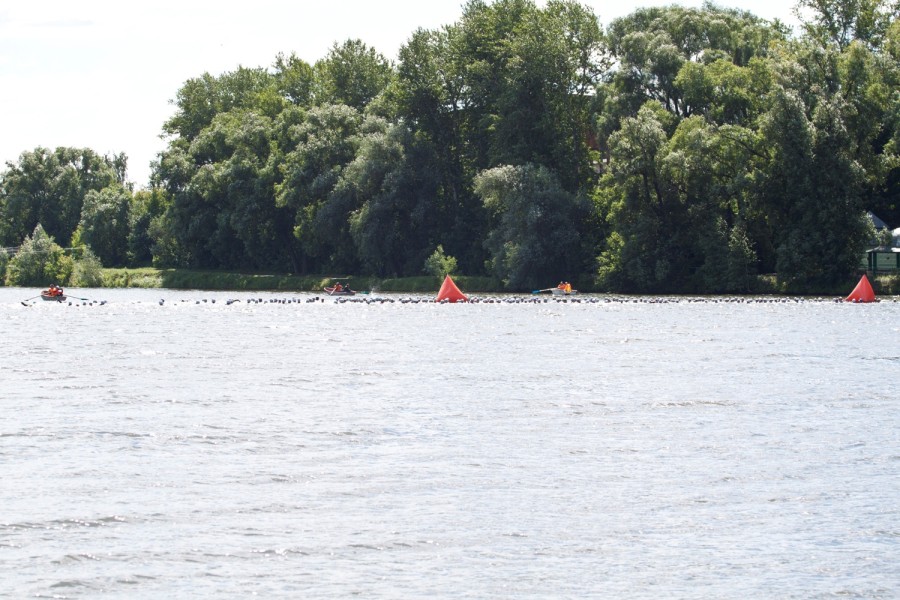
x=863 y=292
x=450 y=292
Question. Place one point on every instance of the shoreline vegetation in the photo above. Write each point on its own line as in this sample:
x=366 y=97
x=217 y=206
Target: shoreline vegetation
x=186 y=279
x=676 y=151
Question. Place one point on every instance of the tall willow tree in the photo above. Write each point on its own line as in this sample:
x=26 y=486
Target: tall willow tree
x=841 y=22
x=104 y=225
x=322 y=146
x=654 y=46
x=397 y=222
x=508 y=84
x=531 y=75
x=352 y=73
x=536 y=232
x=430 y=95
x=49 y=187
x=811 y=187
x=219 y=173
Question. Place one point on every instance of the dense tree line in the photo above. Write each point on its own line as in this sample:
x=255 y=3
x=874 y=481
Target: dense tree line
x=680 y=149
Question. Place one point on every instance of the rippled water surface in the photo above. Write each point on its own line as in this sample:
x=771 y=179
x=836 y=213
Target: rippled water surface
x=676 y=449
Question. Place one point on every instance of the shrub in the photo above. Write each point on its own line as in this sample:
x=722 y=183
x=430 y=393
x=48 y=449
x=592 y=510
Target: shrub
x=4 y=261
x=87 y=271
x=440 y=264
x=39 y=261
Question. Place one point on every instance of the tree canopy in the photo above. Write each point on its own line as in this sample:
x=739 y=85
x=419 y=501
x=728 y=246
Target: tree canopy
x=678 y=149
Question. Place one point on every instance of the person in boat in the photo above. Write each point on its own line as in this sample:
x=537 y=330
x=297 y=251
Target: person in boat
x=338 y=287
x=55 y=291
x=568 y=288
x=561 y=286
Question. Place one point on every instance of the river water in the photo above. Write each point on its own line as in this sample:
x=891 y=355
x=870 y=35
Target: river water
x=164 y=445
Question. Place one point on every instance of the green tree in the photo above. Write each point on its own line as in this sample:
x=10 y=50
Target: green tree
x=530 y=75
x=724 y=92
x=146 y=205
x=87 y=270
x=392 y=194
x=868 y=82
x=39 y=261
x=352 y=73
x=295 y=79
x=631 y=198
x=440 y=264
x=49 y=188
x=323 y=145
x=676 y=207
x=812 y=193
x=554 y=59
x=165 y=248
x=4 y=262
x=536 y=233
x=200 y=99
x=670 y=55
x=223 y=211
x=840 y=22
x=104 y=224
x=430 y=94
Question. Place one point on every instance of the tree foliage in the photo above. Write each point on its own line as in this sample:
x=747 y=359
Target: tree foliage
x=439 y=263
x=39 y=261
x=104 y=225
x=87 y=270
x=713 y=145
x=49 y=188
x=841 y=22
x=351 y=73
x=536 y=232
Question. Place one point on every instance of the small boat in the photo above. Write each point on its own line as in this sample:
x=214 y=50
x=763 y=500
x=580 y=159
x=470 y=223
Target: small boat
x=332 y=291
x=559 y=292
x=50 y=298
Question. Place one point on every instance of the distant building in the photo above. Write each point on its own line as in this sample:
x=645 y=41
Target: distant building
x=878 y=223
x=882 y=258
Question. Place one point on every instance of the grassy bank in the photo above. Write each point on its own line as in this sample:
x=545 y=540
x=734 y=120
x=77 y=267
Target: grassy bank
x=184 y=279
x=887 y=285
x=884 y=285
x=187 y=279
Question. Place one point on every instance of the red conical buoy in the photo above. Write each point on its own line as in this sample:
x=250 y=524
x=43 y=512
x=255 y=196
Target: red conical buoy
x=863 y=291
x=450 y=292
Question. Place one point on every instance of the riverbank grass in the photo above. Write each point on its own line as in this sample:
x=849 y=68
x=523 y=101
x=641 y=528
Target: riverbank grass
x=185 y=279
x=149 y=277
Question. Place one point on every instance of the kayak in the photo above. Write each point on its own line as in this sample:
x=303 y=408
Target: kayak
x=344 y=292
x=49 y=298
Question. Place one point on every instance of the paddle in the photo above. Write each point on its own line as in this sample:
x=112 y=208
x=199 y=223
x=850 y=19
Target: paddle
x=543 y=290
x=27 y=299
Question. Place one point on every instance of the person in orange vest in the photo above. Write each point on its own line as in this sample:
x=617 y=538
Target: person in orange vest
x=568 y=288
x=561 y=286
x=338 y=287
